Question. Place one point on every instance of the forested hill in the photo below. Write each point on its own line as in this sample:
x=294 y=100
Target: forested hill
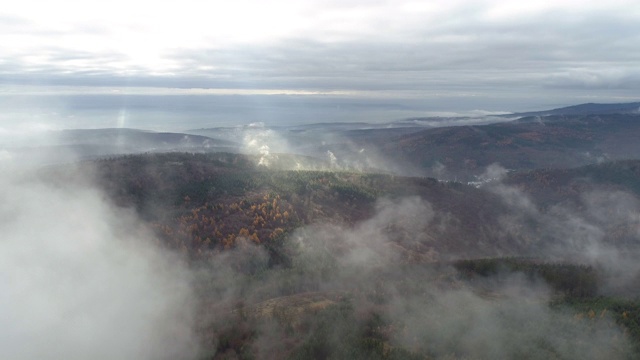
x=205 y=202
x=340 y=264
x=586 y=109
x=553 y=186
x=555 y=141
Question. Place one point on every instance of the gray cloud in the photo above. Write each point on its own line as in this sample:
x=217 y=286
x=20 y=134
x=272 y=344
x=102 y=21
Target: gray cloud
x=468 y=49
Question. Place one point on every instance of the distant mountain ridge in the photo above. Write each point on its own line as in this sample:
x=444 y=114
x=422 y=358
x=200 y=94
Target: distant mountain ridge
x=585 y=109
x=60 y=146
x=570 y=136
x=552 y=141
x=136 y=138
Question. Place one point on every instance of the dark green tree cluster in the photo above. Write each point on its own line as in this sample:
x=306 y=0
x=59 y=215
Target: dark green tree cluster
x=570 y=280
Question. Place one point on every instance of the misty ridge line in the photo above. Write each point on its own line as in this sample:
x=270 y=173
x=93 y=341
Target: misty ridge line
x=415 y=147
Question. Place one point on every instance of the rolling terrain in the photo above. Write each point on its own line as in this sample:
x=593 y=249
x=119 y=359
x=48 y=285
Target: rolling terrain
x=558 y=138
x=329 y=242
x=314 y=254
x=554 y=141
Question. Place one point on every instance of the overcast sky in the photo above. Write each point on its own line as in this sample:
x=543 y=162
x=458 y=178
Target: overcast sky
x=556 y=52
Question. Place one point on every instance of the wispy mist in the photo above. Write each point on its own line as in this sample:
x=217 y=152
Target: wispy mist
x=600 y=228
x=84 y=280
x=352 y=276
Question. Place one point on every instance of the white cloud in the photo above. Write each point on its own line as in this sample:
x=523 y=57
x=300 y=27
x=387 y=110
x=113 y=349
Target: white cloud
x=82 y=280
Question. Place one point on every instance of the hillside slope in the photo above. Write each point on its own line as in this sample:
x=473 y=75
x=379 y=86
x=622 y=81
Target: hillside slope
x=525 y=144
x=307 y=264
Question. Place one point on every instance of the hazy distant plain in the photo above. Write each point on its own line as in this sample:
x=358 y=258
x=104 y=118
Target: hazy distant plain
x=55 y=109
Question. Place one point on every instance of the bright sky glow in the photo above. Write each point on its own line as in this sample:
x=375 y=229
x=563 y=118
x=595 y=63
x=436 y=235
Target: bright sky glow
x=562 y=49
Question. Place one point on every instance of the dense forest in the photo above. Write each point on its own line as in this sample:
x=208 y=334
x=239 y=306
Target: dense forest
x=317 y=264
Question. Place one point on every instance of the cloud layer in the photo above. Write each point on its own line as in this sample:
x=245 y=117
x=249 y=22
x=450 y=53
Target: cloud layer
x=452 y=46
